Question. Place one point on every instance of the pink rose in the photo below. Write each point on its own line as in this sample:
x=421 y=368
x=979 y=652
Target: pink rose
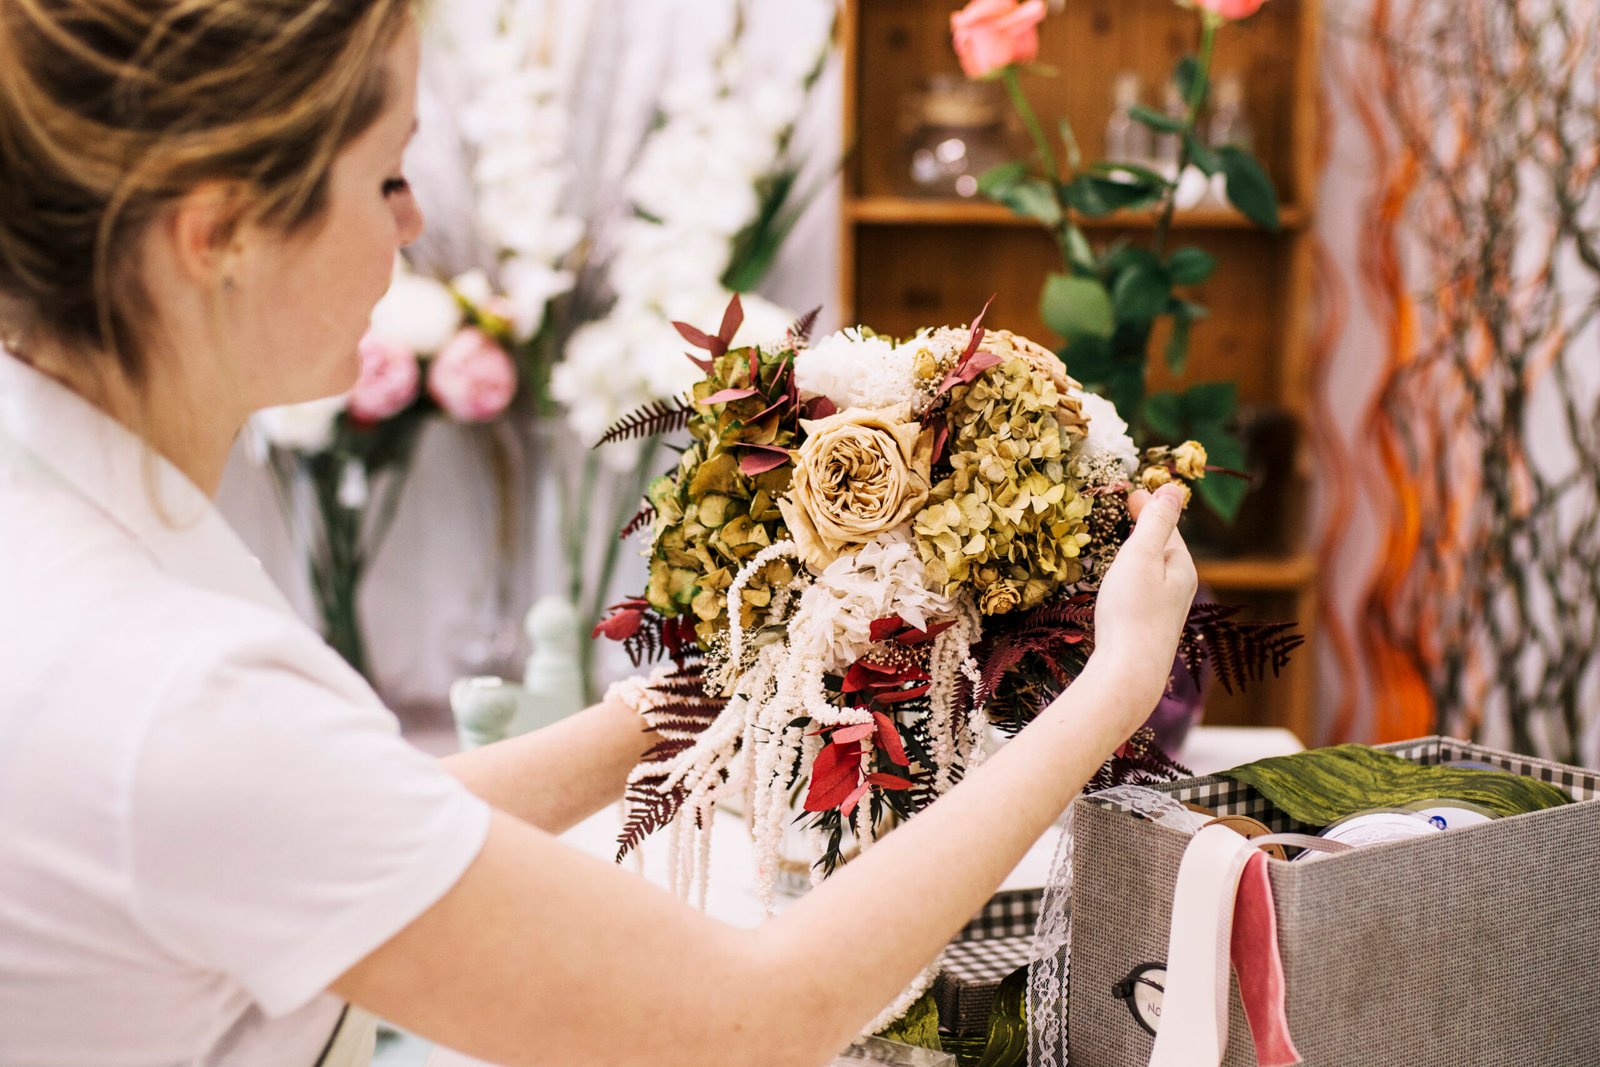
x=388 y=381
x=992 y=34
x=473 y=378
x=1232 y=10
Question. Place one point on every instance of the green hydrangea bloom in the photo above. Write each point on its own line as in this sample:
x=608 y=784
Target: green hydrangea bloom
x=711 y=518
x=1007 y=522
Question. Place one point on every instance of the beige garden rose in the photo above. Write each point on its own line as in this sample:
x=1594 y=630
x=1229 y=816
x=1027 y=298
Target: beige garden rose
x=859 y=473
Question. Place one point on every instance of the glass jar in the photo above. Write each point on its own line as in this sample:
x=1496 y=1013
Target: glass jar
x=956 y=130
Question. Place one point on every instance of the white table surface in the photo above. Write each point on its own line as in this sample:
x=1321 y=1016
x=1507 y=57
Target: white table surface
x=732 y=896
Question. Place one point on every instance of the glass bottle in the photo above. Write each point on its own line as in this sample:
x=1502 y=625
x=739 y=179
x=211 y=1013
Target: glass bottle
x=1192 y=184
x=957 y=131
x=1127 y=140
x=1229 y=125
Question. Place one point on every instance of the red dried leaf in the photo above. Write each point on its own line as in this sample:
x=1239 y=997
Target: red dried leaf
x=977 y=330
x=732 y=319
x=855 y=679
x=940 y=437
x=834 y=775
x=695 y=337
x=850 y=801
x=843 y=735
x=820 y=407
x=888 y=781
x=922 y=637
x=901 y=695
x=728 y=396
x=893 y=678
x=889 y=740
x=972 y=363
x=885 y=628
x=761 y=459
x=619 y=627
x=968 y=370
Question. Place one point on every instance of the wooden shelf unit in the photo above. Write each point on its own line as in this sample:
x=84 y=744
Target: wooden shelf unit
x=914 y=211
x=909 y=261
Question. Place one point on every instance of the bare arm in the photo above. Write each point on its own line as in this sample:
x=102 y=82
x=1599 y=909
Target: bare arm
x=540 y=954
x=556 y=777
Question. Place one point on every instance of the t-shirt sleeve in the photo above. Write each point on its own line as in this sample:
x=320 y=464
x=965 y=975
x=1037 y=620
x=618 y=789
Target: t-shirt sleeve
x=278 y=827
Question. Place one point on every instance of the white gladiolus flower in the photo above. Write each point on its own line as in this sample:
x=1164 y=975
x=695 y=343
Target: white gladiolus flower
x=304 y=427
x=417 y=313
x=1108 y=431
x=855 y=371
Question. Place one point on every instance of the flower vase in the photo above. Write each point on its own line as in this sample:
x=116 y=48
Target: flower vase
x=341 y=506
x=579 y=498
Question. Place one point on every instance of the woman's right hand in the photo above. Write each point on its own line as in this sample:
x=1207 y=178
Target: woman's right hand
x=1146 y=595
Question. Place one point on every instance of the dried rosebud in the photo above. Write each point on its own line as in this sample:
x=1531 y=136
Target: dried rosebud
x=1000 y=598
x=1190 y=460
x=1154 y=478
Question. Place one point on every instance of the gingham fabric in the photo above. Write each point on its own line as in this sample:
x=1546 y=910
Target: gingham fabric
x=997 y=941
x=1228 y=797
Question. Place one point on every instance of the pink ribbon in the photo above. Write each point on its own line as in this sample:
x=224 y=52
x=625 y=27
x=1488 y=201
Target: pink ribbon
x=1257 y=962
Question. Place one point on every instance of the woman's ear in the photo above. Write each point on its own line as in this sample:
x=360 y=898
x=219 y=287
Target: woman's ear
x=203 y=228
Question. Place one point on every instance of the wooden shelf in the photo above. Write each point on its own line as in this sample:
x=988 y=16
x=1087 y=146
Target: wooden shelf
x=914 y=211
x=1259 y=573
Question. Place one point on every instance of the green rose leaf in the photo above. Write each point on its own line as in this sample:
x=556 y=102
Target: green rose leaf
x=1177 y=353
x=1204 y=156
x=1222 y=493
x=1156 y=120
x=1149 y=177
x=1096 y=196
x=1076 y=307
x=1141 y=292
x=1191 y=266
x=1163 y=415
x=1210 y=403
x=1249 y=188
x=1088 y=359
x=1184 y=75
x=1077 y=249
x=1024 y=193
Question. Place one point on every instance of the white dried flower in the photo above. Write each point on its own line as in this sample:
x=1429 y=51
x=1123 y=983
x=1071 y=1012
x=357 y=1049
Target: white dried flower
x=854 y=370
x=1108 y=431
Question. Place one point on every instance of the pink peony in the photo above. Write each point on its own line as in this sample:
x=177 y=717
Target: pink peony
x=388 y=381
x=1232 y=10
x=993 y=34
x=473 y=378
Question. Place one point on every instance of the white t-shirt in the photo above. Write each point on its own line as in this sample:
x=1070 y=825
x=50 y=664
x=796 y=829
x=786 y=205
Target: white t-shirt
x=205 y=816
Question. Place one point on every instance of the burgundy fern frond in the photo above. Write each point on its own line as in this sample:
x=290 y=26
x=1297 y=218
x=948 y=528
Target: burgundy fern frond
x=645 y=516
x=1139 y=762
x=677 y=721
x=650 y=807
x=1238 y=652
x=1047 y=633
x=657 y=417
x=800 y=332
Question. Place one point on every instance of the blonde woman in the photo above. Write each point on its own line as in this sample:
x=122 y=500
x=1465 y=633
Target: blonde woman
x=212 y=839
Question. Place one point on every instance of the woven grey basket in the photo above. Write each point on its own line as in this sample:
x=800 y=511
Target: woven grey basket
x=1478 y=946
